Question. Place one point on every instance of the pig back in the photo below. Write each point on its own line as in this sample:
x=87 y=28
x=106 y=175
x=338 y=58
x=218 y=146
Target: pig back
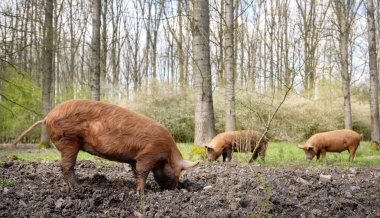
x=335 y=141
x=107 y=130
x=246 y=140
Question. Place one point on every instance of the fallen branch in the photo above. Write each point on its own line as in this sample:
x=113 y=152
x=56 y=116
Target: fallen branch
x=270 y=121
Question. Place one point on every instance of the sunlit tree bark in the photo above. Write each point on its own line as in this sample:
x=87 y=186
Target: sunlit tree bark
x=204 y=110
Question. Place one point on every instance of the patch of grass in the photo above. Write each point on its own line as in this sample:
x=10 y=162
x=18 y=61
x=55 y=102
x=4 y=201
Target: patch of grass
x=45 y=155
x=14 y=157
x=279 y=154
x=6 y=183
x=45 y=145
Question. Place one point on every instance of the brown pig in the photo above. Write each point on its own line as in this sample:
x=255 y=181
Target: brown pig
x=239 y=141
x=117 y=134
x=333 y=141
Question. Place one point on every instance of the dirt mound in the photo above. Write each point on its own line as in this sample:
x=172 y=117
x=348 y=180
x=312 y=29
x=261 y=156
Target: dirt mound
x=210 y=190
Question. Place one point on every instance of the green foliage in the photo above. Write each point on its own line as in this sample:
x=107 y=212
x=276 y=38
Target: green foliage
x=45 y=145
x=6 y=183
x=14 y=119
x=172 y=108
x=374 y=146
x=297 y=119
x=363 y=127
x=196 y=152
x=311 y=129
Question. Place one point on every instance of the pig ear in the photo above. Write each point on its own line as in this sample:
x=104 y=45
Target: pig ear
x=308 y=146
x=300 y=146
x=185 y=164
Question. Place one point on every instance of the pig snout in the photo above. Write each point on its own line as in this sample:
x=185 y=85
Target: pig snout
x=310 y=155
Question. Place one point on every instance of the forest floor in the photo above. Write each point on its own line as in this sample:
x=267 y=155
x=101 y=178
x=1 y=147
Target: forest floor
x=209 y=190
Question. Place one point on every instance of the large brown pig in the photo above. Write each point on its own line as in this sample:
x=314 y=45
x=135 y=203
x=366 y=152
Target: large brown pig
x=117 y=134
x=333 y=141
x=240 y=141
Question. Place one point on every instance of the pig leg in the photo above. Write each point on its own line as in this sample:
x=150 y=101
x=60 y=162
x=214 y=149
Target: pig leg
x=224 y=154
x=352 y=151
x=69 y=151
x=318 y=155
x=323 y=153
x=144 y=165
x=229 y=155
x=262 y=153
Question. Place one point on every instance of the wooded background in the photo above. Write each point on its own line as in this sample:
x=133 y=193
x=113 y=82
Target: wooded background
x=198 y=67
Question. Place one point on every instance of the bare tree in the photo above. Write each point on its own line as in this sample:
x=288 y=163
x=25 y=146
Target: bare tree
x=374 y=80
x=48 y=67
x=103 y=52
x=229 y=66
x=204 y=109
x=95 y=50
x=345 y=12
x=312 y=17
x=182 y=76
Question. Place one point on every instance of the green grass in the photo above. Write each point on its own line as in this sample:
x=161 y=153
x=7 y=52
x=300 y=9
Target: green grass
x=279 y=154
x=284 y=154
x=5 y=183
x=42 y=155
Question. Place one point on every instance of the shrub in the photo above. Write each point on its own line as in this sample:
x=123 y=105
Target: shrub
x=198 y=153
x=297 y=119
x=14 y=119
x=42 y=145
x=172 y=108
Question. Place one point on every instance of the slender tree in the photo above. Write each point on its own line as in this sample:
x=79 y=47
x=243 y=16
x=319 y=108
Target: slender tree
x=229 y=65
x=182 y=78
x=374 y=80
x=103 y=51
x=95 y=50
x=345 y=12
x=204 y=110
x=48 y=67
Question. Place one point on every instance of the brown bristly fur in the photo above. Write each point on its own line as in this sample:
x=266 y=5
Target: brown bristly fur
x=332 y=141
x=241 y=141
x=114 y=133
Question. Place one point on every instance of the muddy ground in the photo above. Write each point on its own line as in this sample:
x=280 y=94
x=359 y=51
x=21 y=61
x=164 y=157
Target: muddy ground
x=209 y=190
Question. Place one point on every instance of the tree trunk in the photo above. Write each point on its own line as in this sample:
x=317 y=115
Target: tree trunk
x=229 y=66
x=204 y=111
x=374 y=81
x=95 y=50
x=103 y=54
x=72 y=52
x=48 y=67
x=345 y=15
x=346 y=79
x=180 y=47
x=222 y=22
